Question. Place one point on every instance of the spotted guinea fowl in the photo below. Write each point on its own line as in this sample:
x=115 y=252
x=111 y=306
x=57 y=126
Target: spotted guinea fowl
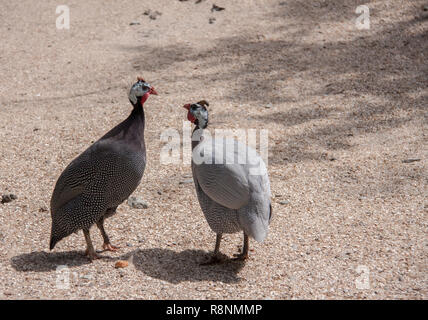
x=231 y=182
x=103 y=176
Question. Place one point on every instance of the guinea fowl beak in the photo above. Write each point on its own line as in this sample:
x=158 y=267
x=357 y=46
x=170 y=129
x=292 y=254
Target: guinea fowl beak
x=187 y=106
x=153 y=91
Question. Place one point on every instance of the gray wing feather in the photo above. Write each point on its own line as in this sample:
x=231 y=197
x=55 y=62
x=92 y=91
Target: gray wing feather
x=240 y=185
x=226 y=184
x=256 y=216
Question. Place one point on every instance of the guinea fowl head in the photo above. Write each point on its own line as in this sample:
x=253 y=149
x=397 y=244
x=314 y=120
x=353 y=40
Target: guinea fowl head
x=198 y=113
x=140 y=91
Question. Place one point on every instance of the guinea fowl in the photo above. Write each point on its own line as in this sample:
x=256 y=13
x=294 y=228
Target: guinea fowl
x=92 y=186
x=234 y=195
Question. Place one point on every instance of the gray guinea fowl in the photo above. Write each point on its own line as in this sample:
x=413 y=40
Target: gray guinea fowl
x=234 y=194
x=92 y=186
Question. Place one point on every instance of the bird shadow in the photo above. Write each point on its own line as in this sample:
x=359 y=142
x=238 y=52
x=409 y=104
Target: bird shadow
x=42 y=261
x=176 y=267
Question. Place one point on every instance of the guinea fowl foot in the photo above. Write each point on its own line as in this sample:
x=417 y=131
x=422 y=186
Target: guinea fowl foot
x=92 y=255
x=244 y=254
x=110 y=247
x=240 y=257
x=211 y=261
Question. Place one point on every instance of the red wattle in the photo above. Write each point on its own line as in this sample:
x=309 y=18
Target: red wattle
x=145 y=97
x=190 y=117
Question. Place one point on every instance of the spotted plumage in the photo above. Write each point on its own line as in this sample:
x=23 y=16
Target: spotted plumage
x=92 y=186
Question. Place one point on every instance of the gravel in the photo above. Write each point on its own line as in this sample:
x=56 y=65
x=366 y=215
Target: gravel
x=257 y=53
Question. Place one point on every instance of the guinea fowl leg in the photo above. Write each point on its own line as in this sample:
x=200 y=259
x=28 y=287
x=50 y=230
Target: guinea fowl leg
x=90 y=251
x=216 y=256
x=244 y=254
x=107 y=246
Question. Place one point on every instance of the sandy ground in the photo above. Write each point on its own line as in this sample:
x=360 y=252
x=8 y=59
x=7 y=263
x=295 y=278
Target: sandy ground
x=344 y=107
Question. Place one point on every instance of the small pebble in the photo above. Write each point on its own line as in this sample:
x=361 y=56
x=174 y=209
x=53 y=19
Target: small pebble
x=410 y=160
x=154 y=15
x=137 y=203
x=121 y=264
x=186 y=181
x=5 y=198
x=283 y=202
x=217 y=8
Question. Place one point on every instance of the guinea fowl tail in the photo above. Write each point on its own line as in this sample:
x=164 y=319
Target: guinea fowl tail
x=52 y=243
x=55 y=237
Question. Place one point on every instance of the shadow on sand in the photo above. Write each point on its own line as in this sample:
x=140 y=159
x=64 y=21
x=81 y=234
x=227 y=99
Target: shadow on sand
x=41 y=261
x=164 y=264
x=176 y=267
x=375 y=75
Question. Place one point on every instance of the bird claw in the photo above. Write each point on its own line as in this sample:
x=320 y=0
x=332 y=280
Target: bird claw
x=240 y=256
x=211 y=261
x=92 y=255
x=110 y=247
